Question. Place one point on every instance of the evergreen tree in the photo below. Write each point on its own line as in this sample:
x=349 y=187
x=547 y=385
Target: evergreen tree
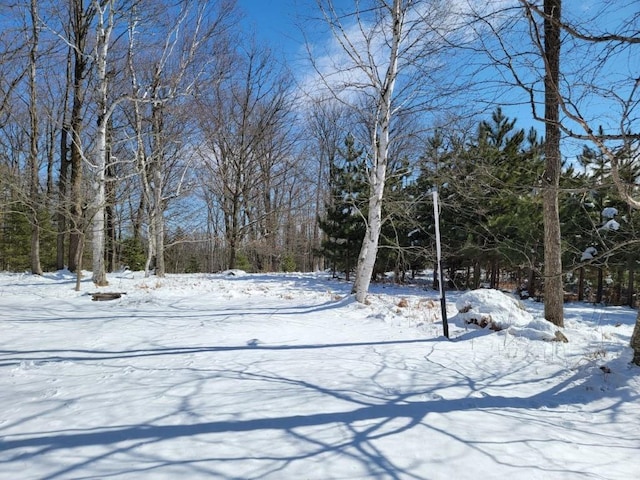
x=508 y=164
x=601 y=230
x=344 y=224
x=491 y=214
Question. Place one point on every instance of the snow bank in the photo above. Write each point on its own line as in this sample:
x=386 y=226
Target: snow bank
x=499 y=311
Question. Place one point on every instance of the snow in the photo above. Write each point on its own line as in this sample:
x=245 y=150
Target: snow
x=609 y=212
x=589 y=254
x=611 y=225
x=249 y=376
x=502 y=309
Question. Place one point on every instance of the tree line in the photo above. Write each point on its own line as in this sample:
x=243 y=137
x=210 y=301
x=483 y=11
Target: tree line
x=491 y=215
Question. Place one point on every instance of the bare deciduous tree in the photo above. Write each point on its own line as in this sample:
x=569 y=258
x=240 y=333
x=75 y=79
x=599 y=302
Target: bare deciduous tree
x=194 y=46
x=386 y=61
x=246 y=122
x=105 y=24
x=607 y=43
x=327 y=132
x=553 y=288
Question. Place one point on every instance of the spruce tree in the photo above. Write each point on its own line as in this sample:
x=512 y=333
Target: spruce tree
x=343 y=223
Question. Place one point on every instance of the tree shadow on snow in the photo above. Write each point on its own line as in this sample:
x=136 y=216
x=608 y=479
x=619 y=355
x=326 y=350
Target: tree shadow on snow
x=359 y=430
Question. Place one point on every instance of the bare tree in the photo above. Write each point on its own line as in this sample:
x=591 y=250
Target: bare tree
x=389 y=53
x=105 y=24
x=246 y=123
x=553 y=287
x=327 y=132
x=80 y=25
x=606 y=43
x=63 y=173
x=162 y=79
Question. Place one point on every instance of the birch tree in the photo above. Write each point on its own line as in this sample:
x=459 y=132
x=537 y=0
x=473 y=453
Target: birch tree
x=105 y=23
x=391 y=52
x=193 y=46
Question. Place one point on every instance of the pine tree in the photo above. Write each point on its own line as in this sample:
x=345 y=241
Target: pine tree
x=510 y=163
x=491 y=214
x=344 y=224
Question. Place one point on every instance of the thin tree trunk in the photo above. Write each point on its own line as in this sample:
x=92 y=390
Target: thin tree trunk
x=36 y=267
x=600 y=287
x=63 y=178
x=635 y=341
x=553 y=287
x=630 y=285
x=581 y=284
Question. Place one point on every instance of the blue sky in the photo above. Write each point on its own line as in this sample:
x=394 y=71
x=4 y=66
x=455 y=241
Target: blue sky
x=270 y=18
x=274 y=22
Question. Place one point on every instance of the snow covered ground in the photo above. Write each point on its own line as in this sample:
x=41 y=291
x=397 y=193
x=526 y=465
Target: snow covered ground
x=285 y=377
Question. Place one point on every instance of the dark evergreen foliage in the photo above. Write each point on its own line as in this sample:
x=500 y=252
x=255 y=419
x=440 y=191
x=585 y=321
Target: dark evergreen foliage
x=344 y=224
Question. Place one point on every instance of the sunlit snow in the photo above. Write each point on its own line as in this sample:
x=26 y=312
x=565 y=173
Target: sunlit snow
x=245 y=376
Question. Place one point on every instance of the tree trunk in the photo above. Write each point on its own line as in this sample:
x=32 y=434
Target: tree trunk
x=98 y=242
x=369 y=250
x=532 y=286
x=34 y=164
x=380 y=149
x=158 y=218
x=63 y=178
x=635 y=341
x=600 y=286
x=581 y=284
x=80 y=28
x=630 y=285
x=553 y=287
x=110 y=218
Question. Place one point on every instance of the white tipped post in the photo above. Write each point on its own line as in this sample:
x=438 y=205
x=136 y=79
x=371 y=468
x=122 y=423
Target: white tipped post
x=443 y=301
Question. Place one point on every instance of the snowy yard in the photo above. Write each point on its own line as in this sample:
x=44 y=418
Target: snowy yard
x=285 y=377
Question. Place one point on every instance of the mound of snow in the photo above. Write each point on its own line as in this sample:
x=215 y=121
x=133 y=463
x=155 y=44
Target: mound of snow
x=499 y=311
x=537 y=329
x=492 y=308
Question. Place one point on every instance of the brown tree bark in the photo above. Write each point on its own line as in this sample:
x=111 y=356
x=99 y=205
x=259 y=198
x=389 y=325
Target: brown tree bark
x=80 y=23
x=553 y=287
x=34 y=164
x=63 y=176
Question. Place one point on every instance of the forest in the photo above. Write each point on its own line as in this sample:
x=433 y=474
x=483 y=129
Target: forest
x=162 y=136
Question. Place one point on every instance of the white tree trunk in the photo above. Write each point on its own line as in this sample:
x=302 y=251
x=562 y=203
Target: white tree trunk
x=100 y=158
x=158 y=219
x=369 y=250
x=97 y=225
x=380 y=148
x=151 y=246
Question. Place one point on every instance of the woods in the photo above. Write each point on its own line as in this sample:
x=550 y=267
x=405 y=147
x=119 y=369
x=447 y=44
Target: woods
x=160 y=136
